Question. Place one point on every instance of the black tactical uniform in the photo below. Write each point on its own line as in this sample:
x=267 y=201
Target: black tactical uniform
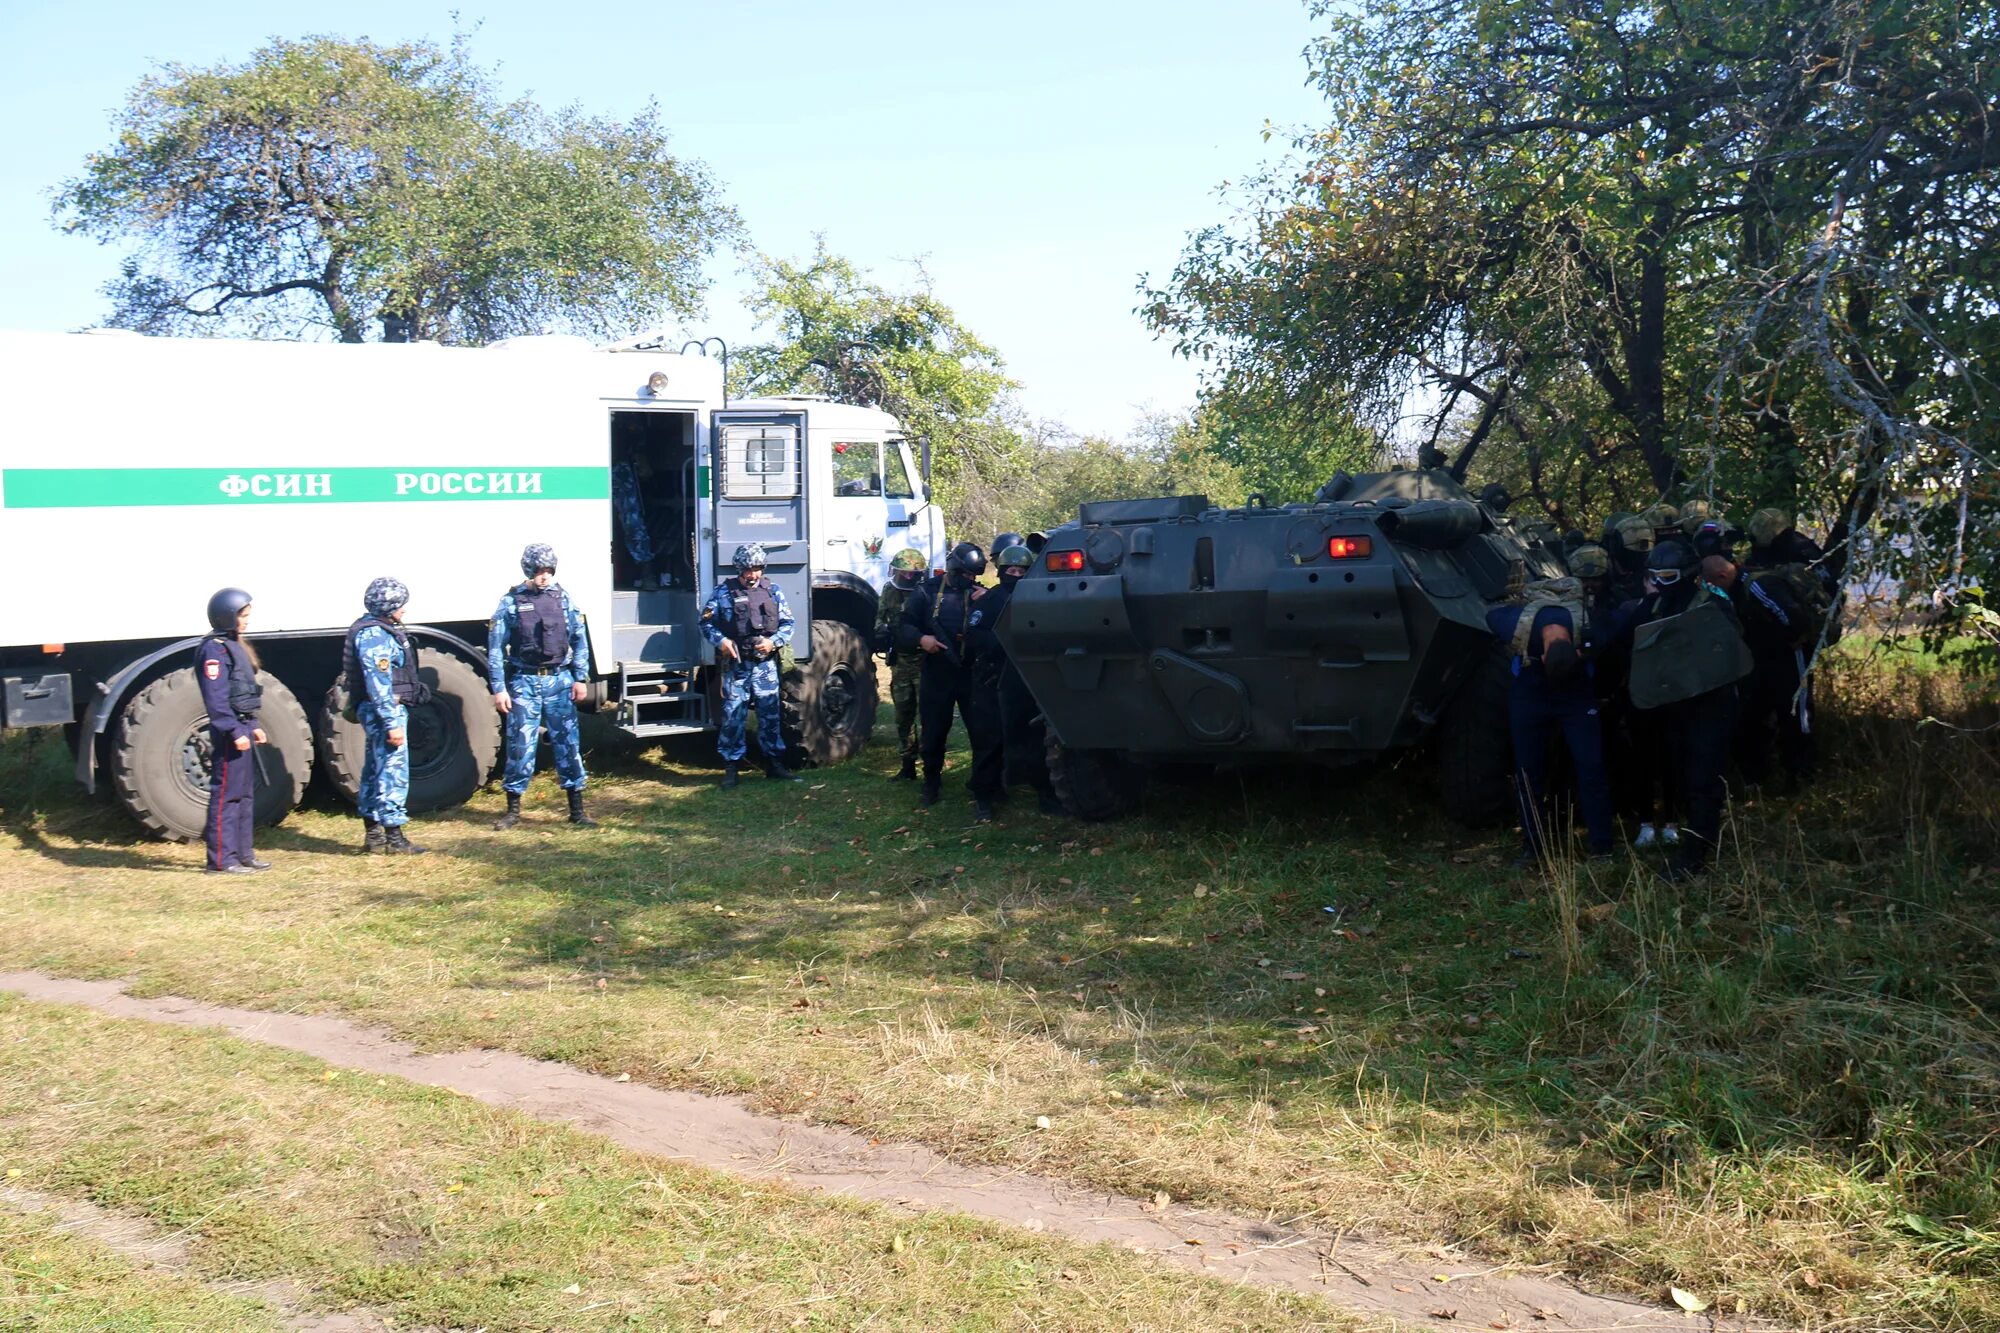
x=999 y=687
x=943 y=611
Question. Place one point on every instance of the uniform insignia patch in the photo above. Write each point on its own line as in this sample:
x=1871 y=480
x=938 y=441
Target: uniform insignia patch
x=212 y=669
x=382 y=663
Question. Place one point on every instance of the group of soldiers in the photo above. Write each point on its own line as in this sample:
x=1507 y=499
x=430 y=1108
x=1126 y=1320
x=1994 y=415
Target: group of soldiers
x=945 y=658
x=1669 y=652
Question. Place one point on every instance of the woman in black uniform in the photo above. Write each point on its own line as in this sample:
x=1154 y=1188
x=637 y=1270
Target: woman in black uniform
x=226 y=666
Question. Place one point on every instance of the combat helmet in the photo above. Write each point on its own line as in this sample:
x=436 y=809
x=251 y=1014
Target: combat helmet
x=907 y=566
x=967 y=559
x=537 y=556
x=1003 y=540
x=1590 y=561
x=1015 y=557
x=385 y=596
x=224 y=607
x=1767 y=525
x=749 y=556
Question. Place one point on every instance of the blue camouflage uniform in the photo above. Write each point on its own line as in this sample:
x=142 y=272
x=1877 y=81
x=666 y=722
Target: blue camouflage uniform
x=540 y=690
x=747 y=678
x=631 y=511
x=385 y=769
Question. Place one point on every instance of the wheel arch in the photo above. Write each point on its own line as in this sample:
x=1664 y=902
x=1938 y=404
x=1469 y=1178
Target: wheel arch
x=837 y=595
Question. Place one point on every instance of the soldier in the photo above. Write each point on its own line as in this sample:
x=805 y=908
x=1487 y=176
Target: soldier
x=1785 y=594
x=748 y=622
x=1552 y=694
x=1685 y=677
x=1003 y=540
x=628 y=502
x=381 y=673
x=538 y=666
x=906 y=571
x=935 y=620
x=999 y=690
x=226 y=668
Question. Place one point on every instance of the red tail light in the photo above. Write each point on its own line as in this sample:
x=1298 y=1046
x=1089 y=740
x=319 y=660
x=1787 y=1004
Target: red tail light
x=1350 y=548
x=1064 y=561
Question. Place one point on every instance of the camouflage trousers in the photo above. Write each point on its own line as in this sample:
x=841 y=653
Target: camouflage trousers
x=384 y=797
x=542 y=702
x=630 y=507
x=903 y=678
x=742 y=683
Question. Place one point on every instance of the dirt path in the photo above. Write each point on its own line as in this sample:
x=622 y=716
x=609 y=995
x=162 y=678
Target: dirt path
x=139 y=1242
x=724 y=1134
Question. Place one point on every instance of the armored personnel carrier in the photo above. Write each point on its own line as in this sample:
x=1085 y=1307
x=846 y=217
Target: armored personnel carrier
x=1169 y=631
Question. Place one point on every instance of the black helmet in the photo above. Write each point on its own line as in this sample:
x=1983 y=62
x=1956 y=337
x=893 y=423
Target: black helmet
x=967 y=559
x=1671 y=554
x=1006 y=539
x=224 y=607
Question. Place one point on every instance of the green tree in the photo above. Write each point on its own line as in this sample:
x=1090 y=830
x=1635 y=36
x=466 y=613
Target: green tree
x=325 y=185
x=1642 y=247
x=838 y=333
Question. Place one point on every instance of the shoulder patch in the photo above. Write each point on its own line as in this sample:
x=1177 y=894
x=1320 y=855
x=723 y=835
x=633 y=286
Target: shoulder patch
x=382 y=662
x=212 y=668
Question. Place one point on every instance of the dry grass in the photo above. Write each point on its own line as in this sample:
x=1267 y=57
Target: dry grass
x=1777 y=1087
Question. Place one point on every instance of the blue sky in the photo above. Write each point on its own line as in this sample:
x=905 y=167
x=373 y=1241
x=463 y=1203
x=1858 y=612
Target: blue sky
x=1037 y=157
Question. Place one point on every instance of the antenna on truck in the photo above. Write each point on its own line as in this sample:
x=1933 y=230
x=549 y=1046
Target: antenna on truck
x=701 y=345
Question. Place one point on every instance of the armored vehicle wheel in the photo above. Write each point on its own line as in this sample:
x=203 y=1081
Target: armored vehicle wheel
x=829 y=703
x=1474 y=747
x=160 y=755
x=454 y=739
x=1094 y=785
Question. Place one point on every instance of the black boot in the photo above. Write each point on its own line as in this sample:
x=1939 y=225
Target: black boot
x=398 y=844
x=982 y=810
x=576 y=815
x=774 y=767
x=729 y=778
x=513 y=815
x=930 y=793
x=373 y=842
x=907 y=773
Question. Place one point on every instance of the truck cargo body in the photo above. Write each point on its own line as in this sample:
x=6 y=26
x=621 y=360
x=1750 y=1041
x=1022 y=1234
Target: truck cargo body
x=137 y=475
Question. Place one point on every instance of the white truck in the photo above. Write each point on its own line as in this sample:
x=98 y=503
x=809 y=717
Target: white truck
x=139 y=474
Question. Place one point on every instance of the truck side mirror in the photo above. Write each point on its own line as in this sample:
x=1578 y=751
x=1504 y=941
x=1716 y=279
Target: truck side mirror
x=925 y=446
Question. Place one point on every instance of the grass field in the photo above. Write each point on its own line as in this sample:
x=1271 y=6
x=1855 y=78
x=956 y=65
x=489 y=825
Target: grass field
x=1295 y=992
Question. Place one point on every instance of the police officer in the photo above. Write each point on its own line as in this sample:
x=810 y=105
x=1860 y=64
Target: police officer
x=1697 y=729
x=1552 y=694
x=935 y=622
x=748 y=622
x=381 y=672
x=628 y=502
x=1003 y=540
x=226 y=666
x=906 y=571
x=537 y=664
x=1000 y=692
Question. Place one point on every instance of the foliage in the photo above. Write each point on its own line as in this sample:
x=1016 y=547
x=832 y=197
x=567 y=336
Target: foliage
x=840 y=334
x=326 y=184
x=1645 y=248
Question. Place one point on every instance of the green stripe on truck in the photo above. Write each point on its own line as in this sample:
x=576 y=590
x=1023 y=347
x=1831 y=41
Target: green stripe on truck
x=126 y=488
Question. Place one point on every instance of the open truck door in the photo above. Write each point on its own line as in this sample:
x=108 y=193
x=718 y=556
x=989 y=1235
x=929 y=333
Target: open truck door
x=759 y=459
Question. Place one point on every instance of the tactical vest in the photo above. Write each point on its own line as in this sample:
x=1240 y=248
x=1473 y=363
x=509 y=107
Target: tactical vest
x=753 y=613
x=403 y=680
x=1682 y=656
x=948 y=613
x=246 y=696
x=541 y=630
x=1565 y=594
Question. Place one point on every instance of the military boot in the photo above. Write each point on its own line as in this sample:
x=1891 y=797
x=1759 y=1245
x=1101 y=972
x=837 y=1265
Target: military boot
x=729 y=778
x=513 y=815
x=907 y=773
x=373 y=842
x=576 y=815
x=930 y=793
x=775 y=768
x=982 y=810
x=398 y=845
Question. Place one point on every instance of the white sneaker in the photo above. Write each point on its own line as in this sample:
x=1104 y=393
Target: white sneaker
x=1647 y=836
x=1671 y=835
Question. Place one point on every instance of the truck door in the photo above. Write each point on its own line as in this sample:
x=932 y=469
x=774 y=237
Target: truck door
x=760 y=496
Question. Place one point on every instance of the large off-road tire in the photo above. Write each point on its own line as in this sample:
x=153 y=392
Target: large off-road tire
x=1094 y=785
x=160 y=755
x=1475 y=748
x=454 y=739
x=829 y=703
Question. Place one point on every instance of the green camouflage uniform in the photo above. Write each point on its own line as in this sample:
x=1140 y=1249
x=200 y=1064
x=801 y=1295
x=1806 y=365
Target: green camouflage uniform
x=903 y=670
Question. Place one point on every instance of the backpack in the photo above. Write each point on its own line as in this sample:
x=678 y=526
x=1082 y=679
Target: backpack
x=1566 y=593
x=1814 y=596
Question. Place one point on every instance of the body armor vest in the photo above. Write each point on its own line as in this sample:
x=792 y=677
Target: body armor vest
x=541 y=632
x=404 y=682
x=246 y=696
x=754 y=612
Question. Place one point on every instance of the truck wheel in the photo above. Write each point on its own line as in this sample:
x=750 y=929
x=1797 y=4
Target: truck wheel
x=829 y=704
x=1094 y=785
x=454 y=739
x=160 y=755
x=1475 y=749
